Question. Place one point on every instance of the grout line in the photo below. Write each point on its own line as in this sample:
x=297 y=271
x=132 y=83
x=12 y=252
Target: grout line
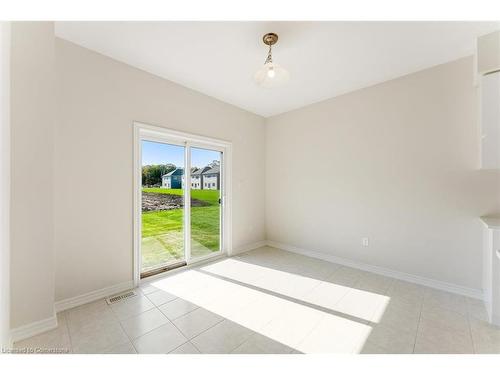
x=308 y=333
x=192 y=343
x=177 y=347
x=419 y=320
x=145 y=333
x=67 y=329
x=244 y=342
x=470 y=328
x=131 y=340
x=205 y=330
x=169 y=321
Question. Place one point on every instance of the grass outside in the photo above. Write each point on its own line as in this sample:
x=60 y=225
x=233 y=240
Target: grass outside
x=162 y=231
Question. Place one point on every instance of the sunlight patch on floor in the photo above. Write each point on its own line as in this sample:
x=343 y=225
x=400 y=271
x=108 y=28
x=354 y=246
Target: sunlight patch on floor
x=288 y=321
x=354 y=302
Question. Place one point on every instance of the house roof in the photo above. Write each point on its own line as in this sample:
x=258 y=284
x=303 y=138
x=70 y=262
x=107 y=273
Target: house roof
x=204 y=170
x=200 y=171
x=176 y=171
x=213 y=170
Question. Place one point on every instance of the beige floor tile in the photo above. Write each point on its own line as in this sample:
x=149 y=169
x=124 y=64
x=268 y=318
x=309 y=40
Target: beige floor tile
x=426 y=346
x=363 y=305
x=197 y=321
x=177 y=308
x=131 y=307
x=477 y=309
x=222 y=338
x=51 y=342
x=326 y=295
x=394 y=341
x=334 y=335
x=400 y=287
x=372 y=348
x=148 y=289
x=287 y=284
x=408 y=303
x=125 y=348
x=486 y=347
x=285 y=328
x=486 y=337
x=345 y=276
x=335 y=309
x=160 y=297
x=89 y=313
x=433 y=338
x=316 y=268
x=186 y=348
x=446 y=300
x=258 y=313
x=406 y=294
x=400 y=319
x=105 y=317
x=163 y=339
x=260 y=344
x=98 y=337
x=445 y=319
x=143 y=323
x=375 y=283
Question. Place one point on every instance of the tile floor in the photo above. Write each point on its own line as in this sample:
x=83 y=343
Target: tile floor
x=273 y=301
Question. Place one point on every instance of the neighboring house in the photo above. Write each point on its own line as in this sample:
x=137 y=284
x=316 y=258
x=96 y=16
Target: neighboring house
x=193 y=169
x=211 y=178
x=197 y=178
x=173 y=179
x=207 y=178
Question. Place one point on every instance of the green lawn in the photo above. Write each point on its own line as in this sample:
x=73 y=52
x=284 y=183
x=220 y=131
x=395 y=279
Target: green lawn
x=162 y=234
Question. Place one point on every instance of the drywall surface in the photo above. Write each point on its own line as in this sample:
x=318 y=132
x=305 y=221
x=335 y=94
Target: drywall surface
x=32 y=151
x=98 y=101
x=396 y=163
x=4 y=184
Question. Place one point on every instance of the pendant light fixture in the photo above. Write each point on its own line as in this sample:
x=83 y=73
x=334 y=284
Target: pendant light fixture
x=271 y=74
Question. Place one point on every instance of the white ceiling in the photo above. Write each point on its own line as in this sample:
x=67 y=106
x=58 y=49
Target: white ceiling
x=325 y=59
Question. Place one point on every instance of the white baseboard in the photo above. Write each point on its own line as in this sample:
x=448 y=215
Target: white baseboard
x=248 y=247
x=69 y=303
x=436 y=284
x=35 y=328
x=32 y=329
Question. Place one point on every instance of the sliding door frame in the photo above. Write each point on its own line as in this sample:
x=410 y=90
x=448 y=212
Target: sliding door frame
x=153 y=133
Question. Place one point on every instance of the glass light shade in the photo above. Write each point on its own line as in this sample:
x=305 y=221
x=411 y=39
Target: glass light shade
x=271 y=75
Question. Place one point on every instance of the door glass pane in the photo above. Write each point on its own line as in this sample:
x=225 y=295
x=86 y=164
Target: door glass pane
x=162 y=241
x=205 y=201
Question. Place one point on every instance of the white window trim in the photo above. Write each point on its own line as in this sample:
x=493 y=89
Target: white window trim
x=144 y=131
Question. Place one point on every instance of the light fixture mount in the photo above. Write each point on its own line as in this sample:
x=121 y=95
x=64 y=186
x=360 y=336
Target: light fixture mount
x=270 y=74
x=270 y=39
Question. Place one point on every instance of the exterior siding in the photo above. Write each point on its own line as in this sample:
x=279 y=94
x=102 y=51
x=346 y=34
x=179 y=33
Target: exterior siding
x=199 y=179
x=173 y=180
x=211 y=182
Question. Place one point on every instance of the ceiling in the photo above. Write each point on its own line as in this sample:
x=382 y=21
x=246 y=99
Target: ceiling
x=325 y=59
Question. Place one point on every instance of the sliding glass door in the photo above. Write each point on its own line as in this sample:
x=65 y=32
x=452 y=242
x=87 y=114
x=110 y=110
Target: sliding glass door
x=205 y=202
x=181 y=203
x=162 y=231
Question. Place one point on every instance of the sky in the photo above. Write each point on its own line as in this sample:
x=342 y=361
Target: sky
x=162 y=153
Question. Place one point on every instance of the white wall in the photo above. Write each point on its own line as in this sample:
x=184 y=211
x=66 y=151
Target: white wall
x=32 y=139
x=4 y=184
x=98 y=100
x=397 y=163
